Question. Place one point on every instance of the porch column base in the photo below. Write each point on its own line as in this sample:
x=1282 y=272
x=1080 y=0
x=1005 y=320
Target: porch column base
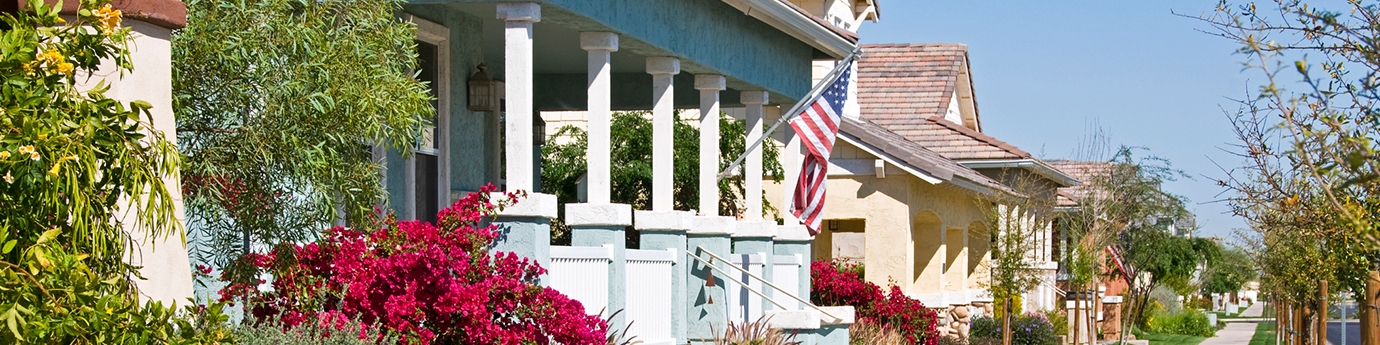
x=755 y=237
x=795 y=240
x=604 y=225
x=712 y=233
x=524 y=229
x=665 y=230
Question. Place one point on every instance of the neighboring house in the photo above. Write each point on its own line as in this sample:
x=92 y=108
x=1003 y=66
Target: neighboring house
x=912 y=179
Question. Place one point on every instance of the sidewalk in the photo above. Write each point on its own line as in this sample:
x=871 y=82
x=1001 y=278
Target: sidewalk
x=1236 y=333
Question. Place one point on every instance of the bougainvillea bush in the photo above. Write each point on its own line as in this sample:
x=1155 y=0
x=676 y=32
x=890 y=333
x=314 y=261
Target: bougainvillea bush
x=842 y=283
x=426 y=283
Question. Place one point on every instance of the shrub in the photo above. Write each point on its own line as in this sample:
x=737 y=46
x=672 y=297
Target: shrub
x=1186 y=322
x=753 y=333
x=1026 y=329
x=1058 y=320
x=426 y=283
x=840 y=283
x=332 y=331
x=78 y=170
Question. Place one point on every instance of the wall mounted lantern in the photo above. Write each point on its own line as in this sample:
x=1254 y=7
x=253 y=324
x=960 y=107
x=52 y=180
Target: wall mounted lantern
x=484 y=91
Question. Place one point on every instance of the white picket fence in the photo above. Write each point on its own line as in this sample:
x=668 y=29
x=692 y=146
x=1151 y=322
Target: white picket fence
x=786 y=274
x=583 y=274
x=743 y=305
x=649 y=294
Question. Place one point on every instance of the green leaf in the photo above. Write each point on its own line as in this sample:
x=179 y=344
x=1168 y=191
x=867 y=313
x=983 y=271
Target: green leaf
x=49 y=235
x=8 y=246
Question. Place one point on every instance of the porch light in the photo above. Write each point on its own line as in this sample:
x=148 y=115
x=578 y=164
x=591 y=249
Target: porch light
x=538 y=129
x=483 y=91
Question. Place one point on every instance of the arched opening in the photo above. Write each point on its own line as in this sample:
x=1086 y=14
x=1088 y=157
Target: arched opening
x=927 y=258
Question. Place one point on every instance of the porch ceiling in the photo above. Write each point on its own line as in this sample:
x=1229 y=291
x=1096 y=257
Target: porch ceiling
x=557 y=53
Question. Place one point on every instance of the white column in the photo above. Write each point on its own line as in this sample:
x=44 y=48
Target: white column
x=790 y=163
x=599 y=45
x=709 y=86
x=517 y=70
x=663 y=71
x=752 y=165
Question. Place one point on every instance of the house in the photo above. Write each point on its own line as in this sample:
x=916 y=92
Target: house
x=597 y=57
x=913 y=180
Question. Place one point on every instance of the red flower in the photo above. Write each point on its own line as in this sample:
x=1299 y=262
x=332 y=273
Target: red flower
x=426 y=282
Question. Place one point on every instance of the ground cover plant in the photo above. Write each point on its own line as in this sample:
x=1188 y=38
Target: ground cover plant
x=1026 y=329
x=841 y=283
x=425 y=283
x=1166 y=339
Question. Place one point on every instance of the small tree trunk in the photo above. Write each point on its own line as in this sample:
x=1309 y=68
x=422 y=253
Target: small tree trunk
x=1370 y=323
x=1077 y=318
x=1320 y=333
x=1006 y=322
x=1297 y=324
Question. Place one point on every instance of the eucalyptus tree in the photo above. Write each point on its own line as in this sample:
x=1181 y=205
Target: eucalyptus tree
x=279 y=103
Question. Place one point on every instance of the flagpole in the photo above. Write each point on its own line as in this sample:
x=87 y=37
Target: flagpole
x=795 y=110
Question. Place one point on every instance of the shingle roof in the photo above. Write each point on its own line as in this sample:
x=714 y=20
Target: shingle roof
x=915 y=155
x=1083 y=171
x=906 y=88
x=900 y=85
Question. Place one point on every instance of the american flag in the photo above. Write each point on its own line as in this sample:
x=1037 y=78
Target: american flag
x=818 y=125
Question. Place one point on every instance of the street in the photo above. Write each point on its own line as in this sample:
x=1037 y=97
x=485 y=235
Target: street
x=1353 y=333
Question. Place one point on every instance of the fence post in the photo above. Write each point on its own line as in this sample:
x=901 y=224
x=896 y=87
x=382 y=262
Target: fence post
x=755 y=237
x=712 y=233
x=795 y=240
x=524 y=229
x=661 y=230
x=596 y=225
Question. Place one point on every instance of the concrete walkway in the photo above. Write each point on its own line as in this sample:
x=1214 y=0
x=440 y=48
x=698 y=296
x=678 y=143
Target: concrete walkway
x=1255 y=310
x=1238 y=331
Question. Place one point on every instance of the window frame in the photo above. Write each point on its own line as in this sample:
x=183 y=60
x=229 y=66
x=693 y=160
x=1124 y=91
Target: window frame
x=438 y=35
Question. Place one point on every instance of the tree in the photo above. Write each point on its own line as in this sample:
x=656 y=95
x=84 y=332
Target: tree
x=1016 y=219
x=82 y=173
x=1229 y=274
x=278 y=104
x=563 y=163
x=1308 y=185
x=1121 y=205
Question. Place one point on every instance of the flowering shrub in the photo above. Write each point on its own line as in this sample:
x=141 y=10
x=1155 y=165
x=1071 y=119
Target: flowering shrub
x=1026 y=329
x=1185 y=322
x=841 y=283
x=427 y=283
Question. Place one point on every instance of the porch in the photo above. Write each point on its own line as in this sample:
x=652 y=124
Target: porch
x=638 y=55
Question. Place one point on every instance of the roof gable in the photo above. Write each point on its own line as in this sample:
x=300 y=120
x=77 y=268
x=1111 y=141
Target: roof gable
x=908 y=82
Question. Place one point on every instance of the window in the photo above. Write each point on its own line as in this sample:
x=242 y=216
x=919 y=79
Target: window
x=428 y=173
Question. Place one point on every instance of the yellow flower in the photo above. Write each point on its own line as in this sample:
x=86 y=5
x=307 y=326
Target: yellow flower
x=4 y=154
x=54 y=171
x=42 y=136
x=26 y=149
x=8 y=178
x=34 y=156
x=109 y=18
x=64 y=67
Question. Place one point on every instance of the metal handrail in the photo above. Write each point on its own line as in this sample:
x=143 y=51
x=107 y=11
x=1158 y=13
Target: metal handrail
x=764 y=281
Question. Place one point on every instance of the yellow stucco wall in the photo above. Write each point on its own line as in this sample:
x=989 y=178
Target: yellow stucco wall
x=909 y=227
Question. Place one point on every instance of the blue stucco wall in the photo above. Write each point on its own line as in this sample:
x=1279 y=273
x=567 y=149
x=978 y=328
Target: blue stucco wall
x=473 y=157
x=709 y=36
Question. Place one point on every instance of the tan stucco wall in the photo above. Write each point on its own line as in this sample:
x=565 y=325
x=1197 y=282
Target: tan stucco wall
x=903 y=213
x=166 y=267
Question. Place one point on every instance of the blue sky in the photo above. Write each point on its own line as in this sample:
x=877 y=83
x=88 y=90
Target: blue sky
x=1047 y=72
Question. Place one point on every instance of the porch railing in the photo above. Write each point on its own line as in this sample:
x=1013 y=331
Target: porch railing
x=728 y=276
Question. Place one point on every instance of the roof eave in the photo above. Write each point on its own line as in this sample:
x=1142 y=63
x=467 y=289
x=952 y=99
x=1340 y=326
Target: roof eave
x=848 y=138
x=788 y=20
x=1039 y=167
